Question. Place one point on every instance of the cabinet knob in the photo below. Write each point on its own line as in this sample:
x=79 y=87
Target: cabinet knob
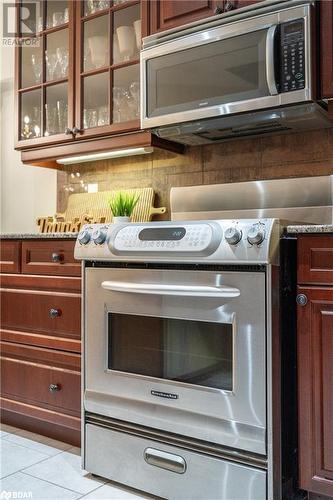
x=301 y=299
x=57 y=257
x=218 y=10
x=72 y=131
x=54 y=387
x=76 y=131
x=230 y=5
x=54 y=313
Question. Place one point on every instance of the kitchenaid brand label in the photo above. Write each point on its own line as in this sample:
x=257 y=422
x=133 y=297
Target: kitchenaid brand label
x=167 y=395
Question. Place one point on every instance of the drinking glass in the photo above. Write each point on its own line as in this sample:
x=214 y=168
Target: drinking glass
x=90 y=119
x=37 y=66
x=121 y=106
x=134 y=90
x=126 y=40
x=103 y=116
x=63 y=60
x=137 y=30
x=51 y=120
x=51 y=63
x=57 y=18
x=62 y=115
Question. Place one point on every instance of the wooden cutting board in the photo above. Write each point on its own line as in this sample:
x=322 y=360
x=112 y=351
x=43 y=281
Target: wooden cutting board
x=94 y=207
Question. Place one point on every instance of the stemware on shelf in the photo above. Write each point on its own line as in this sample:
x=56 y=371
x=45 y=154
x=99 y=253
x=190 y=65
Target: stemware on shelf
x=126 y=41
x=37 y=66
x=97 y=45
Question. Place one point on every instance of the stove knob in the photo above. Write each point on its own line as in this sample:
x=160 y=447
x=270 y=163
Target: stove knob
x=99 y=236
x=256 y=235
x=233 y=235
x=84 y=237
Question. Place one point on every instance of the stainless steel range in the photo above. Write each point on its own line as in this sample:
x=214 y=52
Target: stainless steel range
x=178 y=389
x=182 y=348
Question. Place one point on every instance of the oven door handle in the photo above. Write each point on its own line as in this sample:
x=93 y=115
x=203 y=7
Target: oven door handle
x=202 y=291
x=270 y=63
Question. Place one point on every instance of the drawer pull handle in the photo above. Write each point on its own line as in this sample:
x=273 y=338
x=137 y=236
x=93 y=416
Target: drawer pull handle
x=54 y=313
x=54 y=387
x=165 y=460
x=301 y=299
x=57 y=257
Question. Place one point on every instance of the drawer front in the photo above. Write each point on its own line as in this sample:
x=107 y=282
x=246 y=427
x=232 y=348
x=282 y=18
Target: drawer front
x=315 y=259
x=53 y=257
x=10 y=256
x=47 y=313
x=37 y=384
x=168 y=471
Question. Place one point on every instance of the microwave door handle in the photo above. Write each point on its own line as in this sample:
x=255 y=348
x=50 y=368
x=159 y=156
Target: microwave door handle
x=270 y=75
x=217 y=292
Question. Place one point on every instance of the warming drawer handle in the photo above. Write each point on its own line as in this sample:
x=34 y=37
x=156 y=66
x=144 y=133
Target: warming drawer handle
x=165 y=460
x=217 y=292
x=270 y=76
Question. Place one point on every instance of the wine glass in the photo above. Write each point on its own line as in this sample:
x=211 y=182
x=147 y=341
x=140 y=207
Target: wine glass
x=37 y=66
x=51 y=63
x=134 y=89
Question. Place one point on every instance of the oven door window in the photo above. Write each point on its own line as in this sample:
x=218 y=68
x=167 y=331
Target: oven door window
x=215 y=73
x=193 y=352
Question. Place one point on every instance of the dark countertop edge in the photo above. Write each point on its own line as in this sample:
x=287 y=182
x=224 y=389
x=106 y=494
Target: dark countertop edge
x=310 y=229
x=38 y=236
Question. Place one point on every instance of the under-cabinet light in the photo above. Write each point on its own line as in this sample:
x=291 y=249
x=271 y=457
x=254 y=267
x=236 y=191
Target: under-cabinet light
x=117 y=153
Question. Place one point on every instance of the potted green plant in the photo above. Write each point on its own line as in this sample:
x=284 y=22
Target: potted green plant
x=122 y=206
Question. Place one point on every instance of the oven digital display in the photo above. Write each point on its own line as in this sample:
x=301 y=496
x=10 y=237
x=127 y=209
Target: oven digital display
x=162 y=234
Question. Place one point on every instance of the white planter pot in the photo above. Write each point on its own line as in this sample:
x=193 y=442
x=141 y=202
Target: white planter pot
x=121 y=219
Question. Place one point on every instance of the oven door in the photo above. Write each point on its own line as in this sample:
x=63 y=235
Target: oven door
x=231 y=68
x=180 y=351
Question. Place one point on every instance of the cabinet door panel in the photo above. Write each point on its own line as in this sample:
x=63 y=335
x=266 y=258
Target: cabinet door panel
x=170 y=13
x=315 y=382
x=315 y=259
x=50 y=257
x=46 y=313
x=10 y=256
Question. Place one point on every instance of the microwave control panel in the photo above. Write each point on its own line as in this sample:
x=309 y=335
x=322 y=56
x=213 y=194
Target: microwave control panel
x=292 y=69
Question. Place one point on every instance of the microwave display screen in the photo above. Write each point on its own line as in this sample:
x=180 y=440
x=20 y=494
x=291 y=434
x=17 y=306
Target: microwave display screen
x=214 y=73
x=293 y=27
x=162 y=234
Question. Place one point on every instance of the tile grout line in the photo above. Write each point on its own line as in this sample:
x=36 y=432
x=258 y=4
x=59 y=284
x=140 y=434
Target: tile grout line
x=64 y=487
x=33 y=449
x=53 y=484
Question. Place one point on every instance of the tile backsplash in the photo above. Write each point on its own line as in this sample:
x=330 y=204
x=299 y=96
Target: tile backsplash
x=266 y=157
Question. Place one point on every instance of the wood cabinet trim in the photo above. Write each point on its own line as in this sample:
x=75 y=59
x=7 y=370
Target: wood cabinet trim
x=10 y=256
x=313 y=253
x=37 y=258
x=47 y=341
x=67 y=284
x=326 y=48
x=311 y=384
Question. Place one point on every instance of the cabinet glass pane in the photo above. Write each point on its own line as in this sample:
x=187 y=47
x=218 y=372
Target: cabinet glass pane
x=96 y=101
x=56 y=12
x=92 y=6
x=96 y=43
x=56 y=109
x=31 y=21
x=126 y=94
x=127 y=34
x=57 y=55
x=31 y=114
x=31 y=65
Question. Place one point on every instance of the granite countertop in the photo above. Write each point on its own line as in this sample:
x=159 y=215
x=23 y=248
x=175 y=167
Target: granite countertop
x=37 y=236
x=310 y=228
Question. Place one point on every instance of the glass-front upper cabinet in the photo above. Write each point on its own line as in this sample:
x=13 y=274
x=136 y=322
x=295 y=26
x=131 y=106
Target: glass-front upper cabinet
x=107 y=70
x=45 y=72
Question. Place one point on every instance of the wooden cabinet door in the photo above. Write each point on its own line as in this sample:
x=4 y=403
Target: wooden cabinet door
x=326 y=48
x=44 y=76
x=167 y=14
x=315 y=389
x=10 y=256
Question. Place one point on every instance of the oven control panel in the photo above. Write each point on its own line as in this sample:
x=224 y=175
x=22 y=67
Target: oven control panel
x=229 y=241
x=197 y=238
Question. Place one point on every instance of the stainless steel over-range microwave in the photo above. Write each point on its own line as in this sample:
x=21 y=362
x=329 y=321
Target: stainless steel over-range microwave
x=251 y=70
